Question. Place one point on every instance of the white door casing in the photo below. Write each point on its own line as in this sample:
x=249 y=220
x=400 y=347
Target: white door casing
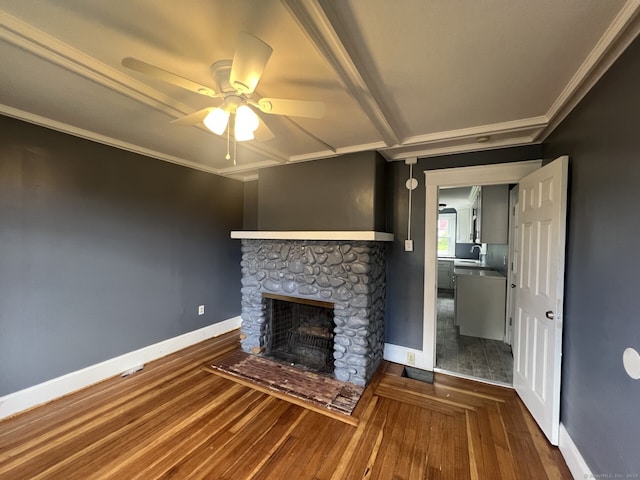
x=453 y=177
x=537 y=332
x=512 y=271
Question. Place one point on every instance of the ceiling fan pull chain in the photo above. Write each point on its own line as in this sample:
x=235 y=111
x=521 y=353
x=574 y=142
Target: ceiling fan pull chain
x=228 y=157
x=235 y=146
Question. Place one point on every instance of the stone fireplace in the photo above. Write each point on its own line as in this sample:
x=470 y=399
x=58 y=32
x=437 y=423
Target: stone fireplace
x=345 y=276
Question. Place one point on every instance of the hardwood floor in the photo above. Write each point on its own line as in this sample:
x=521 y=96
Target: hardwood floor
x=174 y=420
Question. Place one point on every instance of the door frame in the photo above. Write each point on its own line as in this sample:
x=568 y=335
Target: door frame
x=493 y=174
x=513 y=248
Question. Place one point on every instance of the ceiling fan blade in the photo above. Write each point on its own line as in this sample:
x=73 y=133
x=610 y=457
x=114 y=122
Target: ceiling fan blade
x=263 y=133
x=249 y=60
x=292 y=108
x=168 y=77
x=193 y=118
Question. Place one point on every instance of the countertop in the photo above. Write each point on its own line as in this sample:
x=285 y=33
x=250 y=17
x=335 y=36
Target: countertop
x=476 y=272
x=465 y=263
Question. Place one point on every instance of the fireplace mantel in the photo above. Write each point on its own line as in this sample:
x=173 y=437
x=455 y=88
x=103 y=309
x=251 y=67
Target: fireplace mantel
x=313 y=235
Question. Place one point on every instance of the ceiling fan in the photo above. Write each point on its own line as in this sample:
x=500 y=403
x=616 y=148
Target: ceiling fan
x=236 y=81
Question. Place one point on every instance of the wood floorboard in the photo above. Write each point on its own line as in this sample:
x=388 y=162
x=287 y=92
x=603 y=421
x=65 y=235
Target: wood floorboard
x=174 y=420
x=306 y=435
x=410 y=440
x=390 y=447
x=187 y=442
x=207 y=459
x=461 y=448
x=365 y=451
x=419 y=456
x=349 y=458
x=158 y=453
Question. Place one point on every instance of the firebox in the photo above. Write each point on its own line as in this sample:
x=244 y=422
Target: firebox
x=299 y=331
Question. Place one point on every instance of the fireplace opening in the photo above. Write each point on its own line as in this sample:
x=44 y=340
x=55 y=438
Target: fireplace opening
x=299 y=331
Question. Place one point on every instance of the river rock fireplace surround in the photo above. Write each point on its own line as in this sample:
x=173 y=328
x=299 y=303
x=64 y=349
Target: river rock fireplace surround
x=340 y=271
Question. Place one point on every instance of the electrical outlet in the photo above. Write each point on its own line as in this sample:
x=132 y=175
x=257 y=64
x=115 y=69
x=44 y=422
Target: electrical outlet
x=408 y=245
x=201 y=310
x=411 y=358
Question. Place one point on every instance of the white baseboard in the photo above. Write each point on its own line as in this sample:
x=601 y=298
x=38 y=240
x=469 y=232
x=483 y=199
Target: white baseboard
x=398 y=354
x=578 y=467
x=57 y=387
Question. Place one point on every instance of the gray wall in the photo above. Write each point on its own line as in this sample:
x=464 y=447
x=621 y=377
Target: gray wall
x=103 y=252
x=405 y=270
x=250 y=214
x=341 y=193
x=599 y=401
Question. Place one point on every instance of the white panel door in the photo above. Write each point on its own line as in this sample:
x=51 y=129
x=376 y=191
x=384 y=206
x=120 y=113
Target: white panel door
x=537 y=342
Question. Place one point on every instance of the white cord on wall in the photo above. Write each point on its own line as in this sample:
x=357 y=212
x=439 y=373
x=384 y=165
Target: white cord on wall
x=411 y=184
x=410 y=190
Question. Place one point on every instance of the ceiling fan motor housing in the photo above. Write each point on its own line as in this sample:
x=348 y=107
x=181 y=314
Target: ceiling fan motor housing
x=220 y=71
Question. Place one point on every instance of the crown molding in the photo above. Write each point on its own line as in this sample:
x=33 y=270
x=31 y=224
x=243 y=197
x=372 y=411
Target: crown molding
x=433 y=151
x=363 y=147
x=237 y=171
x=620 y=33
x=32 y=40
x=505 y=134
x=249 y=167
x=103 y=139
x=338 y=151
x=514 y=126
x=245 y=178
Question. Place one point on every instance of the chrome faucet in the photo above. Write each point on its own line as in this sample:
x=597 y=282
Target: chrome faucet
x=475 y=246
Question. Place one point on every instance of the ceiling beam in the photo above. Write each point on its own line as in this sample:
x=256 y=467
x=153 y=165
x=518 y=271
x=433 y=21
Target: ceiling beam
x=330 y=39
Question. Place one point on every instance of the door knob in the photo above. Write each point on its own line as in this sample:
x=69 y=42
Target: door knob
x=513 y=285
x=550 y=315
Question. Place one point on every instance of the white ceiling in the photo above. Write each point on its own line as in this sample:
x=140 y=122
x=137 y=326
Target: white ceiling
x=407 y=78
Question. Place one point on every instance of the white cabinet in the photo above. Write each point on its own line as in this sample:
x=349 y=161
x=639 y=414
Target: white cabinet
x=476 y=213
x=480 y=304
x=464 y=225
x=492 y=215
x=445 y=274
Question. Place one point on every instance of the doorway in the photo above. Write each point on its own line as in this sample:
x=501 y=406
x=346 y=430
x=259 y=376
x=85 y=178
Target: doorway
x=459 y=177
x=539 y=291
x=472 y=283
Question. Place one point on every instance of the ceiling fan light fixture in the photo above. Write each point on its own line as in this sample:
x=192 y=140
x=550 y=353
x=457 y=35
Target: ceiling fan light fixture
x=216 y=120
x=242 y=135
x=246 y=119
x=236 y=81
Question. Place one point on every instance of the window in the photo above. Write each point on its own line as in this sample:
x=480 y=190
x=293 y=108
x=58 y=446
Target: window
x=447 y=235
